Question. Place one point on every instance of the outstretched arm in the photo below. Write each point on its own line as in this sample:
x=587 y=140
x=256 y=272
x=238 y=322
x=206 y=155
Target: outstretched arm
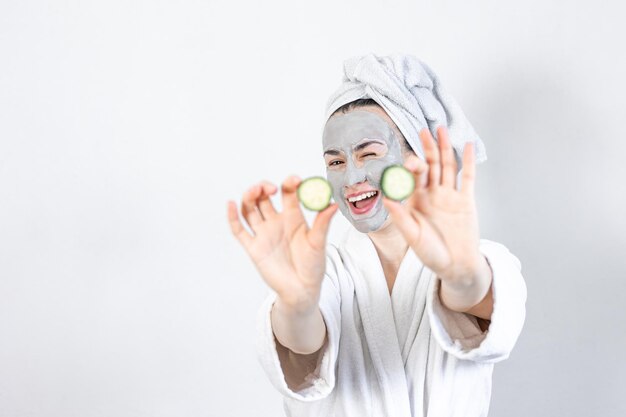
x=290 y=257
x=440 y=223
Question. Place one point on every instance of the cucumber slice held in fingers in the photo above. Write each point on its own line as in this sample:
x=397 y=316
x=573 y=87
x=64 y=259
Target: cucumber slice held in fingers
x=397 y=182
x=314 y=193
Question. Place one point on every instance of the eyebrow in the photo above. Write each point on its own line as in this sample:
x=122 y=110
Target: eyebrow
x=366 y=144
x=356 y=148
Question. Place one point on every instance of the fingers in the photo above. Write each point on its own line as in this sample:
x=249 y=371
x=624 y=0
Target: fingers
x=249 y=208
x=256 y=205
x=289 y=190
x=319 y=230
x=419 y=168
x=265 y=204
x=242 y=235
x=294 y=219
x=468 y=176
x=448 y=162
x=432 y=157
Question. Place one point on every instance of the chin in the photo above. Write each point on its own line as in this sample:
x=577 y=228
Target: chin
x=365 y=226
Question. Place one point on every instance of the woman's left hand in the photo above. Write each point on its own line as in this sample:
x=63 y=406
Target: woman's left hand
x=439 y=222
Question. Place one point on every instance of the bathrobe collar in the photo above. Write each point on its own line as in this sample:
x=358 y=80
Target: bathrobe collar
x=385 y=335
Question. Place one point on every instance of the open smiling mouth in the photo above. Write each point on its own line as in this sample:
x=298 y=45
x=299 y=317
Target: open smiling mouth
x=364 y=202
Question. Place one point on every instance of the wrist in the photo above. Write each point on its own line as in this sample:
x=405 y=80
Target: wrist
x=466 y=293
x=471 y=274
x=297 y=303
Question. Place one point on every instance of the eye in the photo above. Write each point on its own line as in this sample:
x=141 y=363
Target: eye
x=333 y=162
x=368 y=154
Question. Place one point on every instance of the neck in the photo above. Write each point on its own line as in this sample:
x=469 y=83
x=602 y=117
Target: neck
x=389 y=243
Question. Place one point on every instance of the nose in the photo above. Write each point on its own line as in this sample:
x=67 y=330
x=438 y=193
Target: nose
x=355 y=174
x=353 y=187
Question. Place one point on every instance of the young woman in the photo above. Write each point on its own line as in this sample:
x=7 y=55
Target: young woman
x=408 y=313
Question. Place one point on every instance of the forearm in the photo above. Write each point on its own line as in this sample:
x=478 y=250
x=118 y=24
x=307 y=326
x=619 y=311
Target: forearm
x=303 y=332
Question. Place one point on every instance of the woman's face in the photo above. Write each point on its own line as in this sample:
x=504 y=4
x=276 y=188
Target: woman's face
x=358 y=146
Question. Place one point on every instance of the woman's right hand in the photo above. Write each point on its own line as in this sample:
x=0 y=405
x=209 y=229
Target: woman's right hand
x=290 y=256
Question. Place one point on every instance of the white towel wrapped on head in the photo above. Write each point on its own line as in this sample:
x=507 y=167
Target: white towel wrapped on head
x=411 y=94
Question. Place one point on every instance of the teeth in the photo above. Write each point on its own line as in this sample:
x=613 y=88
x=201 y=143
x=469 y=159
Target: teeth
x=362 y=196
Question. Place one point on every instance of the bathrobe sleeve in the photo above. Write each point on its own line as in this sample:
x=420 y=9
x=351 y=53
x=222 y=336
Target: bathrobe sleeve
x=284 y=368
x=459 y=333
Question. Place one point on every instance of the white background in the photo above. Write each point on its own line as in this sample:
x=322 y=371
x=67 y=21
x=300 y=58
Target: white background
x=125 y=126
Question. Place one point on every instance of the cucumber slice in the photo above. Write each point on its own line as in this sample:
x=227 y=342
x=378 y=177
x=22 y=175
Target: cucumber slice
x=314 y=193
x=397 y=182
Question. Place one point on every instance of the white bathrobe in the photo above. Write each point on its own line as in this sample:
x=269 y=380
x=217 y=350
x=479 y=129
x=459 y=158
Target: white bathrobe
x=399 y=356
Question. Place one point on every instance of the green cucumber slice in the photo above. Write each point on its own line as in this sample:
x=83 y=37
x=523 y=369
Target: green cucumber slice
x=397 y=182
x=314 y=193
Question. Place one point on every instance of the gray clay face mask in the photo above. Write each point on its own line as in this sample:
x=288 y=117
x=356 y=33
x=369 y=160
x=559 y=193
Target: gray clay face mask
x=358 y=146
